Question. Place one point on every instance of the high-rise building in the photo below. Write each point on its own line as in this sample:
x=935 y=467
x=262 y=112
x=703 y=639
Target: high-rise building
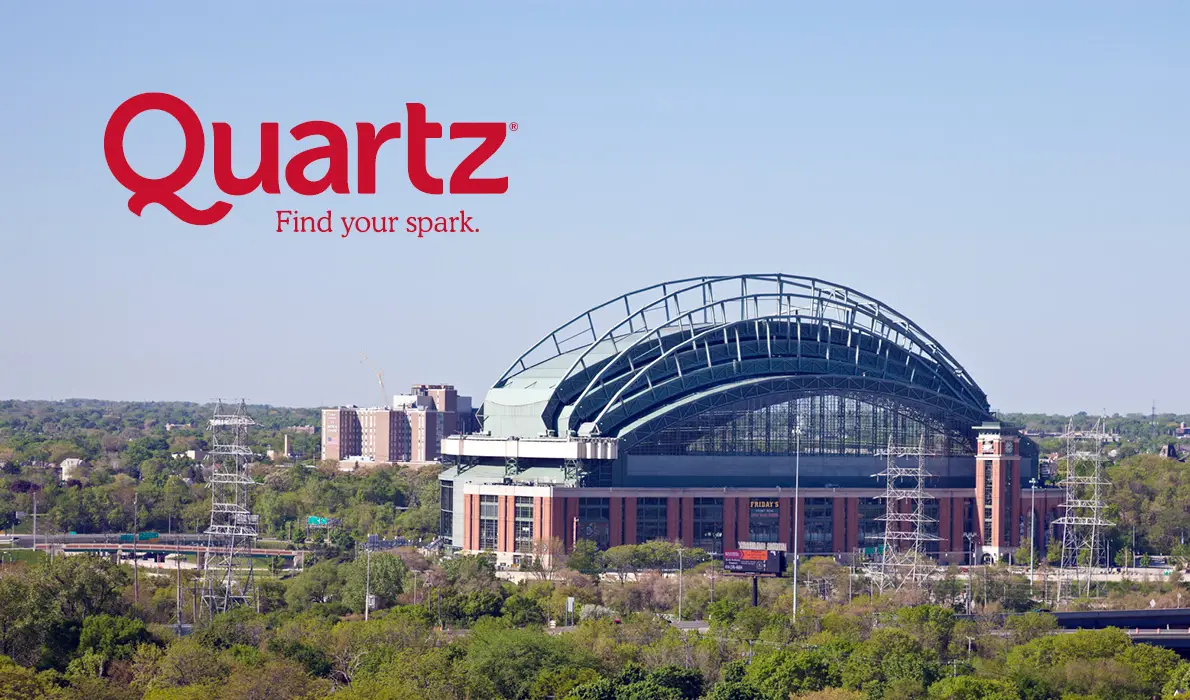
x=411 y=430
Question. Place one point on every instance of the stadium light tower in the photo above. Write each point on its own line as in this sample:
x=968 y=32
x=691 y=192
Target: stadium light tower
x=1032 y=530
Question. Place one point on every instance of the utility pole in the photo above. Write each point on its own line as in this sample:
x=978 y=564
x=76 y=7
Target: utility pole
x=713 y=572
x=970 y=537
x=985 y=589
x=797 y=474
x=178 y=593
x=680 y=589
x=368 y=581
x=135 y=563
x=1032 y=531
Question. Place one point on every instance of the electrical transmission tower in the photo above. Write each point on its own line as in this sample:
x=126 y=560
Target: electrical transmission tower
x=227 y=573
x=903 y=556
x=1084 y=530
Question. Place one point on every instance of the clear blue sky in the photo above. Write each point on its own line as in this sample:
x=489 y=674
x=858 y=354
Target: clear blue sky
x=1013 y=176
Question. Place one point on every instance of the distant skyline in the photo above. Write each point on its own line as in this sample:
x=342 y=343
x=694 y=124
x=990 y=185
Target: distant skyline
x=1011 y=176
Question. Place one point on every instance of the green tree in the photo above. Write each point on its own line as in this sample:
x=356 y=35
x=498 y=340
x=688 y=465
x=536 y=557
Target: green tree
x=647 y=690
x=111 y=638
x=797 y=670
x=933 y=626
x=559 y=682
x=1029 y=626
x=1151 y=666
x=184 y=663
x=387 y=581
x=601 y=689
x=972 y=688
x=19 y=683
x=505 y=661
x=320 y=583
x=891 y=663
x=686 y=681
x=26 y=614
x=240 y=626
x=273 y=680
x=735 y=690
x=522 y=610
x=1178 y=683
x=584 y=558
x=85 y=586
x=622 y=560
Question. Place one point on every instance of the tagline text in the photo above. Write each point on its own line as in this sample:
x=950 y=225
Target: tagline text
x=293 y=221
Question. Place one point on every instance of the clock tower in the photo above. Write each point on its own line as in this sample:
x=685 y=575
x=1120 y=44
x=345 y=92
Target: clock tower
x=997 y=489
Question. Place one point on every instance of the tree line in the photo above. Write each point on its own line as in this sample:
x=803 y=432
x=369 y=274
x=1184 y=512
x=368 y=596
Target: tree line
x=76 y=627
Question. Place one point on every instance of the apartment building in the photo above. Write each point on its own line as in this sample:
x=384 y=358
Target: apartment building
x=411 y=430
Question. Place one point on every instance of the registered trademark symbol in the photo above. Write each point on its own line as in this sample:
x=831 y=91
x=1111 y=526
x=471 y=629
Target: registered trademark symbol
x=512 y=126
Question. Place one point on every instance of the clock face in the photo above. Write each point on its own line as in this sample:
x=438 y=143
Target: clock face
x=987 y=447
x=1008 y=447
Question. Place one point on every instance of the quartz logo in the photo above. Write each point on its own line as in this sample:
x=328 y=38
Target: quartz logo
x=416 y=132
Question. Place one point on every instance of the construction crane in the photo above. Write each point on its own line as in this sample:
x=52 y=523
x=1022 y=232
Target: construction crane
x=379 y=379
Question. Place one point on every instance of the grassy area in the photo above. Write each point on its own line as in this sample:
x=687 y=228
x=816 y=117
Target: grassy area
x=27 y=556
x=25 y=527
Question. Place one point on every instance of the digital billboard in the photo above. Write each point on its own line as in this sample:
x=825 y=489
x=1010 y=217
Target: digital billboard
x=753 y=562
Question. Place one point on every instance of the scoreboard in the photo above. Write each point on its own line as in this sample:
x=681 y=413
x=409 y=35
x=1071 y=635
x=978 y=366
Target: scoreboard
x=753 y=562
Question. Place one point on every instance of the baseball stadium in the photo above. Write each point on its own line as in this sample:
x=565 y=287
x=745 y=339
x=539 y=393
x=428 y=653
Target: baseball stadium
x=698 y=410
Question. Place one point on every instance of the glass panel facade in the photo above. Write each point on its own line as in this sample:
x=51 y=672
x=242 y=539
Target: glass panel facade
x=871 y=530
x=818 y=521
x=708 y=524
x=594 y=509
x=446 y=500
x=594 y=521
x=523 y=534
x=651 y=517
x=932 y=509
x=832 y=425
x=489 y=523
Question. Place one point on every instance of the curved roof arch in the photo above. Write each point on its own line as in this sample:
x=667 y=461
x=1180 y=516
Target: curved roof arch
x=678 y=345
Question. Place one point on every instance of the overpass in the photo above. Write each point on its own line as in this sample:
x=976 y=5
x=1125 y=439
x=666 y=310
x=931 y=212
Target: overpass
x=161 y=549
x=1150 y=618
x=26 y=540
x=1163 y=627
